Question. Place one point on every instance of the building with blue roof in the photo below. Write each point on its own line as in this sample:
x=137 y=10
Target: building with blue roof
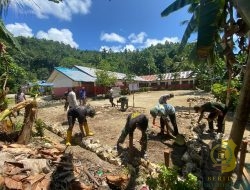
x=65 y=78
x=78 y=76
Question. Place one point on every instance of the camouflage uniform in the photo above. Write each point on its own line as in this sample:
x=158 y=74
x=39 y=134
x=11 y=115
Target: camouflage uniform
x=135 y=120
x=124 y=102
x=213 y=108
x=79 y=113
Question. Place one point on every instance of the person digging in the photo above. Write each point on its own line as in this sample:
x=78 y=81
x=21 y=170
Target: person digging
x=164 y=121
x=80 y=113
x=139 y=121
x=124 y=103
x=164 y=111
x=215 y=110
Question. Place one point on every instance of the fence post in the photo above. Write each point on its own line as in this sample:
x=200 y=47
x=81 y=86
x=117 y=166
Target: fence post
x=167 y=156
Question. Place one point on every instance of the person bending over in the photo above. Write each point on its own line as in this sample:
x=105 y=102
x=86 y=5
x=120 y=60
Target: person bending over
x=215 y=110
x=139 y=121
x=165 y=111
x=79 y=113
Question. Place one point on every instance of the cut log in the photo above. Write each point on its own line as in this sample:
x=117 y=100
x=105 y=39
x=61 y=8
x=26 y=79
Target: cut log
x=29 y=119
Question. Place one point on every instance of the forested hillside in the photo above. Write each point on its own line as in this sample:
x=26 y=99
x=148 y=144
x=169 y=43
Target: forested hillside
x=39 y=57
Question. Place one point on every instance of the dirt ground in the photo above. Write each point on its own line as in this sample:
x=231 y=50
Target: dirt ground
x=109 y=121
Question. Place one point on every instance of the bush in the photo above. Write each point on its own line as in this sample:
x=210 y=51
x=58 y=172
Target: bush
x=168 y=179
x=39 y=126
x=220 y=93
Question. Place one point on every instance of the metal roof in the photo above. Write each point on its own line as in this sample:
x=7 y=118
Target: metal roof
x=178 y=75
x=170 y=76
x=92 y=72
x=75 y=74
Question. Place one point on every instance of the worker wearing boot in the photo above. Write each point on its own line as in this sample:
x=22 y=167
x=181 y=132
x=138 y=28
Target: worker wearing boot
x=165 y=111
x=79 y=113
x=135 y=120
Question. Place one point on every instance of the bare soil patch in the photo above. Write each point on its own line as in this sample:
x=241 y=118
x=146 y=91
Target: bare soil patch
x=109 y=121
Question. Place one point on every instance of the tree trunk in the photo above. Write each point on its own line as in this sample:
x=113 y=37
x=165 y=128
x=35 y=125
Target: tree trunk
x=243 y=7
x=243 y=109
x=240 y=118
x=29 y=119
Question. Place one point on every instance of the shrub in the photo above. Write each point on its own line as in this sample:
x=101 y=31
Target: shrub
x=168 y=179
x=220 y=92
x=39 y=126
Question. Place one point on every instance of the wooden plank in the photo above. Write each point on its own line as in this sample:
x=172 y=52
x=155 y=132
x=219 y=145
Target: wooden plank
x=167 y=154
x=246 y=175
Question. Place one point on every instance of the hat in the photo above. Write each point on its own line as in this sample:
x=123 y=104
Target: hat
x=154 y=111
x=90 y=111
x=159 y=110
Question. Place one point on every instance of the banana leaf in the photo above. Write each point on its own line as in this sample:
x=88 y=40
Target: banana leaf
x=209 y=20
x=176 y=6
x=191 y=27
x=8 y=37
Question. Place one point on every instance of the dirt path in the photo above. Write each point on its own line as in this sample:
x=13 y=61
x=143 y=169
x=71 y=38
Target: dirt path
x=109 y=121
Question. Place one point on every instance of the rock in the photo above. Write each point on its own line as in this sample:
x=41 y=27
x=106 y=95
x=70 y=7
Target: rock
x=186 y=157
x=5 y=157
x=36 y=165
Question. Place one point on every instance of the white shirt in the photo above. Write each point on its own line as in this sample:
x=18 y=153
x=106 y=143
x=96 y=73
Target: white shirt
x=71 y=98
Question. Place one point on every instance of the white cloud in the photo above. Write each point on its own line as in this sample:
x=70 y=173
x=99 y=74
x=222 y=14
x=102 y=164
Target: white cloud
x=134 y=39
x=139 y=38
x=19 y=29
x=65 y=36
x=150 y=42
x=113 y=48
x=129 y=47
x=43 y=9
x=112 y=37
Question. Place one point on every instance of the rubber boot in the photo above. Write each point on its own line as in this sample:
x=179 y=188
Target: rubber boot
x=86 y=128
x=68 y=138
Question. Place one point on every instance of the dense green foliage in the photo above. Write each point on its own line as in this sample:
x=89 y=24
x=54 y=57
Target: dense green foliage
x=39 y=57
x=220 y=91
x=168 y=178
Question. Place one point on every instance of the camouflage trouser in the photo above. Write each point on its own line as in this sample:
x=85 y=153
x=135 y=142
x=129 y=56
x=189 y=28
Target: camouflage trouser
x=220 y=121
x=143 y=140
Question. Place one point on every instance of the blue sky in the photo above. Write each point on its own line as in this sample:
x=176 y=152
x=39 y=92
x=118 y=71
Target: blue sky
x=97 y=24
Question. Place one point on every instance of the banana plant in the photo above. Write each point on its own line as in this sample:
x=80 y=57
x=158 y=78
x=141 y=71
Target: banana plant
x=192 y=24
x=215 y=15
x=200 y=22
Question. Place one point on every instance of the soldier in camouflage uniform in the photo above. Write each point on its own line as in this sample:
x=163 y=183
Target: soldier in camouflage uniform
x=215 y=110
x=135 y=120
x=80 y=113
